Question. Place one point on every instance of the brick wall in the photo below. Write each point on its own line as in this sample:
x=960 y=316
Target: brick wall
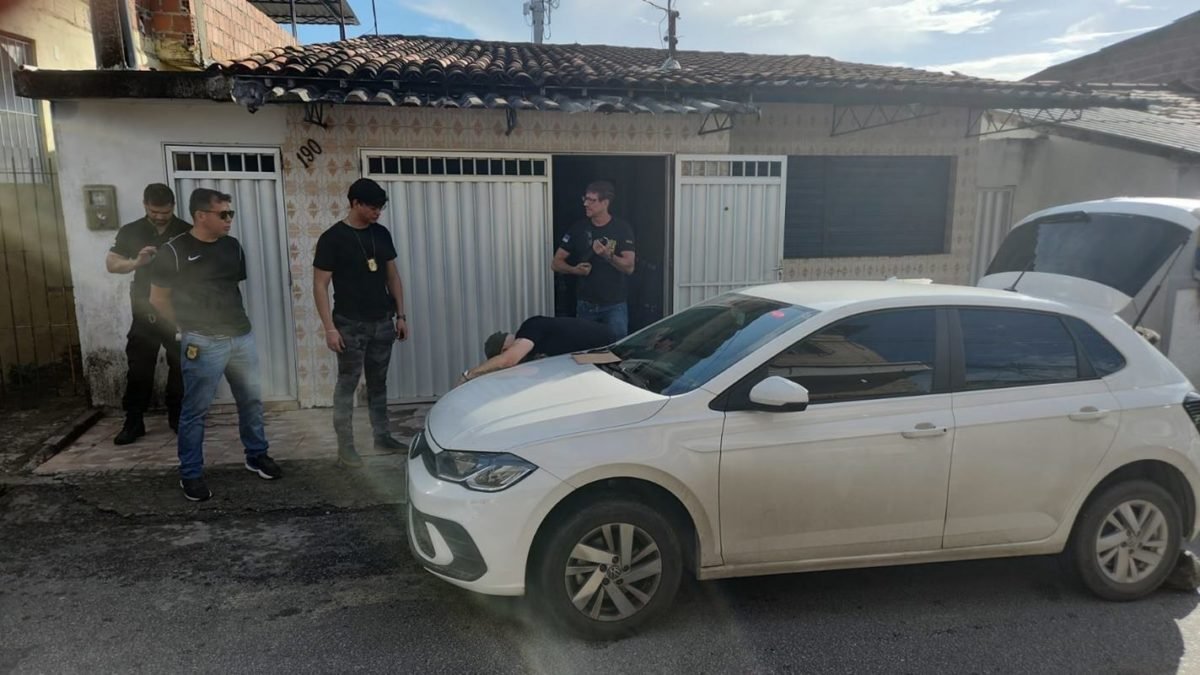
x=187 y=34
x=235 y=28
x=1166 y=55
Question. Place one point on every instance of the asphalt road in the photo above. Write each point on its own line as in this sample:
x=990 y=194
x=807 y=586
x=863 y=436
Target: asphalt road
x=88 y=585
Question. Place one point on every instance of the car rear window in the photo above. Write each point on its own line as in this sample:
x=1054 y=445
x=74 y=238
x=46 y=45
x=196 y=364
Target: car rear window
x=1104 y=357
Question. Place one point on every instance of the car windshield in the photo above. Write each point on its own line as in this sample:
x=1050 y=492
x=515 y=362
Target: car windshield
x=685 y=350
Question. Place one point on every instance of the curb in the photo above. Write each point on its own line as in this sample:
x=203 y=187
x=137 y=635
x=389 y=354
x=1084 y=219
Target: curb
x=56 y=444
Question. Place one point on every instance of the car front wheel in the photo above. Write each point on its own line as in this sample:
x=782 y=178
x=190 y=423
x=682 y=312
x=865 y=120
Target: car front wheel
x=1126 y=540
x=608 y=568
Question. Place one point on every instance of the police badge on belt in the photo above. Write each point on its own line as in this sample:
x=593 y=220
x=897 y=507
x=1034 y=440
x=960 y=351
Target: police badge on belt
x=192 y=352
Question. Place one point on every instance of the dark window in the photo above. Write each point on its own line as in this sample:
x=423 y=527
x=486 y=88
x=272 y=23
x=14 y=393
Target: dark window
x=1104 y=357
x=875 y=355
x=1117 y=250
x=1015 y=349
x=268 y=163
x=866 y=206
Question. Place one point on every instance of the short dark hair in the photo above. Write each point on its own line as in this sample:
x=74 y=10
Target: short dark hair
x=157 y=194
x=494 y=344
x=602 y=189
x=202 y=198
x=367 y=191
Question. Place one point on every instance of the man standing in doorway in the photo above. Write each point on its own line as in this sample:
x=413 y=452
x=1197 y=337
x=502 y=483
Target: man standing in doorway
x=134 y=249
x=366 y=317
x=194 y=283
x=602 y=246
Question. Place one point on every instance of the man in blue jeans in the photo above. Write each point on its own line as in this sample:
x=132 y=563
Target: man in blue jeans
x=194 y=285
x=602 y=247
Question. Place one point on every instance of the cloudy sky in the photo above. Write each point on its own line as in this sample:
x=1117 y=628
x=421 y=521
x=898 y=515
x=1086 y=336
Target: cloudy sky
x=1006 y=39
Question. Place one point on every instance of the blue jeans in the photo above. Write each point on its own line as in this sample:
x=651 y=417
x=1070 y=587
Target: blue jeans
x=616 y=317
x=237 y=360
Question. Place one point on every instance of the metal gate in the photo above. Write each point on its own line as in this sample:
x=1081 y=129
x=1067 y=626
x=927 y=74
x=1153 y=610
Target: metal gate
x=474 y=241
x=993 y=219
x=252 y=176
x=728 y=224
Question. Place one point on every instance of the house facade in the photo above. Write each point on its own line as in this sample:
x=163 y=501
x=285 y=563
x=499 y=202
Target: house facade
x=734 y=170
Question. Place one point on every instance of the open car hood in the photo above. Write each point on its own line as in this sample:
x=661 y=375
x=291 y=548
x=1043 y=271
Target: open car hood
x=1099 y=253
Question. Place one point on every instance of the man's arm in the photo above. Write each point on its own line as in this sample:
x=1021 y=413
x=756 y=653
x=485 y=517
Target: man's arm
x=396 y=288
x=321 y=279
x=559 y=264
x=119 y=264
x=625 y=262
x=160 y=300
x=505 y=359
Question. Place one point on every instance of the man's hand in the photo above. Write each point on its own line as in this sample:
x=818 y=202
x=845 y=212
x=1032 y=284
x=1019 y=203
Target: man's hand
x=583 y=269
x=333 y=340
x=145 y=255
x=401 y=330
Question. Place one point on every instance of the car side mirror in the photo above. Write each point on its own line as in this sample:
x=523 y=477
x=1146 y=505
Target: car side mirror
x=779 y=394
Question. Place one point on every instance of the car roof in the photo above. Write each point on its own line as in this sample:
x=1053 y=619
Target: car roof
x=829 y=295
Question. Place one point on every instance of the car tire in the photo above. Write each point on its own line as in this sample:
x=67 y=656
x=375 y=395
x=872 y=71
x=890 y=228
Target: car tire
x=600 y=600
x=1126 y=540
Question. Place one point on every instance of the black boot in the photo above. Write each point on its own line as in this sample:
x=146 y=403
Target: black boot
x=133 y=429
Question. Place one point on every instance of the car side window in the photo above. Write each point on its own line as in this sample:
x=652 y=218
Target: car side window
x=1104 y=357
x=875 y=355
x=1004 y=348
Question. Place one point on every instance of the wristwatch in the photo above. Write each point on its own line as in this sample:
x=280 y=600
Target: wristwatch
x=402 y=317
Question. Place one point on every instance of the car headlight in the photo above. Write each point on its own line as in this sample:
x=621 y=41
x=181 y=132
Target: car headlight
x=482 y=471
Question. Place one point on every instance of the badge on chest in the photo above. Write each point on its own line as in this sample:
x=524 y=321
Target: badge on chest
x=372 y=265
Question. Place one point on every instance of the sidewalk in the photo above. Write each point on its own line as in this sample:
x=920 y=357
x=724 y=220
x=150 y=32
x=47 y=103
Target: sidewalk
x=293 y=435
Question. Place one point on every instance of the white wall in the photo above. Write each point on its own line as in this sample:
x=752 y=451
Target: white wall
x=121 y=143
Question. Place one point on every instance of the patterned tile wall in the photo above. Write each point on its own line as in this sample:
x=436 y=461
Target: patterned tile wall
x=314 y=194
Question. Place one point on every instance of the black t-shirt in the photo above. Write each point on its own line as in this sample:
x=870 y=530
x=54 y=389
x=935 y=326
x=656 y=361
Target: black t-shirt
x=203 y=278
x=605 y=285
x=552 y=336
x=359 y=292
x=134 y=237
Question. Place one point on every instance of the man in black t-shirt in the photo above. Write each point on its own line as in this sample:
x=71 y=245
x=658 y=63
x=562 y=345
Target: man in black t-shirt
x=602 y=250
x=133 y=250
x=538 y=337
x=194 y=284
x=358 y=257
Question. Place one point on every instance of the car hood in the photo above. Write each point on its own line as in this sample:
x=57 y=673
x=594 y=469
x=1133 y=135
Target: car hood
x=1100 y=253
x=535 y=402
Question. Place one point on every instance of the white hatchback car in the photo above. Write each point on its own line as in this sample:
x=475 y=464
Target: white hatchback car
x=827 y=425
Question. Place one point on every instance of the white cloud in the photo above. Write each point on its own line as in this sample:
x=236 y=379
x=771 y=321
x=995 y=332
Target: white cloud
x=1132 y=4
x=1010 y=66
x=768 y=19
x=934 y=16
x=1070 y=38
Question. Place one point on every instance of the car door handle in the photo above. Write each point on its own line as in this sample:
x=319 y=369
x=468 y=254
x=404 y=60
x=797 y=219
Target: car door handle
x=1088 y=414
x=924 y=430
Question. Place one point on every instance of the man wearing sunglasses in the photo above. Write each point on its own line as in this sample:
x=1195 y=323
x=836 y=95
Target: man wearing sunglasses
x=601 y=247
x=132 y=252
x=194 y=284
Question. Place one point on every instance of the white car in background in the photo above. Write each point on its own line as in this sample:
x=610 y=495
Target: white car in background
x=829 y=425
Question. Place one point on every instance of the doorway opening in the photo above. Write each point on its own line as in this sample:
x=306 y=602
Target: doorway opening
x=642 y=184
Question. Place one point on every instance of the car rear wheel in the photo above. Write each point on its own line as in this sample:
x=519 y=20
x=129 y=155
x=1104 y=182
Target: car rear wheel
x=608 y=568
x=1126 y=540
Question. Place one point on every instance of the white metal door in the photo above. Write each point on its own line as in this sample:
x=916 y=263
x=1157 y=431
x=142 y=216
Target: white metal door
x=474 y=241
x=993 y=219
x=252 y=177
x=728 y=224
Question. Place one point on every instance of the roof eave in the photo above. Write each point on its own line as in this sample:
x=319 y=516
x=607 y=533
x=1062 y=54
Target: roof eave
x=144 y=84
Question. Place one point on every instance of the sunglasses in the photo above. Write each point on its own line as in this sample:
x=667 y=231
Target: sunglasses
x=590 y=200
x=224 y=215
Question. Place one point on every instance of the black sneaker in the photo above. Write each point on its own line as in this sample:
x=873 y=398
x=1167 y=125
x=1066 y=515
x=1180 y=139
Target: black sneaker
x=349 y=457
x=388 y=444
x=195 y=489
x=133 y=429
x=264 y=466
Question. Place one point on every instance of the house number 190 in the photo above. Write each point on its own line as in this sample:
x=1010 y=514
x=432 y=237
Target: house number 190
x=308 y=152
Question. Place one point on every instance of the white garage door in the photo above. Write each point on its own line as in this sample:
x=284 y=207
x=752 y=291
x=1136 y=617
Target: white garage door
x=728 y=224
x=474 y=241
